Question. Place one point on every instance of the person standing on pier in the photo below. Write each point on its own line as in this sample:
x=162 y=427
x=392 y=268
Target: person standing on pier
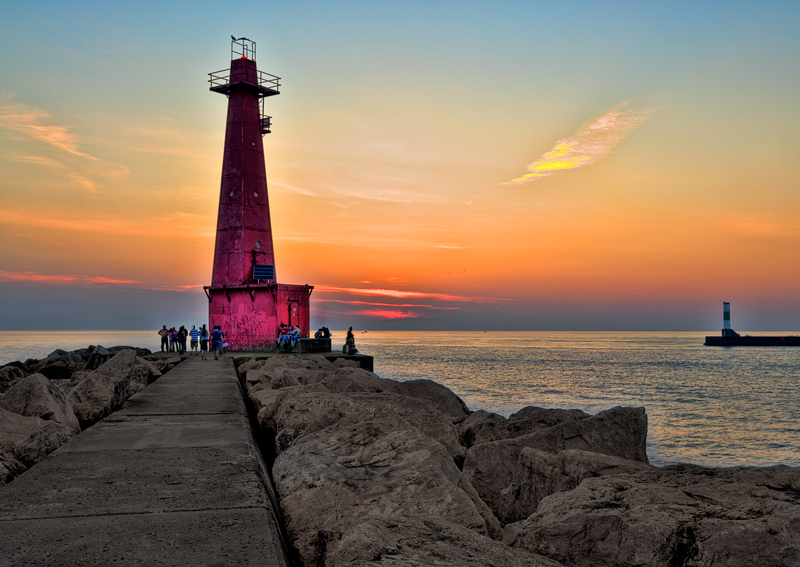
x=216 y=342
x=203 y=342
x=164 y=334
x=194 y=334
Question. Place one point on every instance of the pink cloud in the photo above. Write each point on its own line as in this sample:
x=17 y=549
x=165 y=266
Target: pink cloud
x=353 y=302
x=403 y=294
x=34 y=277
x=387 y=314
x=101 y=279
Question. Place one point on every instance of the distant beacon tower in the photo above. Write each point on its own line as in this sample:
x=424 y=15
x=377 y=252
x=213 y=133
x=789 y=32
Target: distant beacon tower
x=244 y=298
x=726 y=321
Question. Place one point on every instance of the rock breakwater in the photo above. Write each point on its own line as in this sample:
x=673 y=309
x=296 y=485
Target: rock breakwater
x=370 y=471
x=44 y=403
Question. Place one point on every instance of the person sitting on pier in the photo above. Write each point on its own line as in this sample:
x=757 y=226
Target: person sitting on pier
x=287 y=339
x=350 y=343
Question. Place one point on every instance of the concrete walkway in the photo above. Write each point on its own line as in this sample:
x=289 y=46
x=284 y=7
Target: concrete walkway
x=173 y=478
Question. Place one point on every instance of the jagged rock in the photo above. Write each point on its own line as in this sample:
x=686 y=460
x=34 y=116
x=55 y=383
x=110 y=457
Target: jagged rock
x=310 y=412
x=8 y=374
x=267 y=401
x=30 y=439
x=67 y=385
x=680 y=515
x=351 y=379
x=482 y=427
x=538 y=474
x=335 y=479
x=619 y=432
x=97 y=357
x=9 y=468
x=444 y=399
x=56 y=368
x=139 y=351
x=426 y=541
x=36 y=396
x=346 y=363
x=21 y=365
x=104 y=390
x=163 y=364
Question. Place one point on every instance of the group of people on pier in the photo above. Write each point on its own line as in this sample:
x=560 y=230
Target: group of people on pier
x=174 y=340
x=288 y=336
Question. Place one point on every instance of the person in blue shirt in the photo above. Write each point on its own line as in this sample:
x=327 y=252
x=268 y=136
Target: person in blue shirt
x=216 y=341
x=195 y=334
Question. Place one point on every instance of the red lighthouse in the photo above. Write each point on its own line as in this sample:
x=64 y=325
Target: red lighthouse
x=244 y=298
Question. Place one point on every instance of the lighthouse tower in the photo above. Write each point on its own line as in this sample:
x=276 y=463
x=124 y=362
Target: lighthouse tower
x=244 y=297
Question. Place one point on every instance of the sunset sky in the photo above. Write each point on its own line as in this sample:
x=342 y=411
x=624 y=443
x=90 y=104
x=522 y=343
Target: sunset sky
x=432 y=165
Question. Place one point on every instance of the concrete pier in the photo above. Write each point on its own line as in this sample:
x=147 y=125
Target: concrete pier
x=173 y=478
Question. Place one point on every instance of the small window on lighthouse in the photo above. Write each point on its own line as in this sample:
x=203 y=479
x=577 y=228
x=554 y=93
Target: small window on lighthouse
x=231 y=193
x=252 y=142
x=255 y=193
x=258 y=245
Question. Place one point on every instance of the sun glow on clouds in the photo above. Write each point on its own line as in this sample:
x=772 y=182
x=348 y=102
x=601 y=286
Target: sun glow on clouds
x=60 y=279
x=387 y=310
x=403 y=294
x=387 y=314
x=589 y=144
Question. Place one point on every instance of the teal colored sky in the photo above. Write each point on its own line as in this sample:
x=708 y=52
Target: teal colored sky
x=397 y=138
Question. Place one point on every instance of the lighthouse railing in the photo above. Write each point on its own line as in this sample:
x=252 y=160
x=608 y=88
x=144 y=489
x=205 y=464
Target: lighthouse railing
x=221 y=79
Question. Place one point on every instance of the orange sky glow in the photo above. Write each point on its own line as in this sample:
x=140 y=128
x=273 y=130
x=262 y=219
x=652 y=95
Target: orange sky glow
x=638 y=187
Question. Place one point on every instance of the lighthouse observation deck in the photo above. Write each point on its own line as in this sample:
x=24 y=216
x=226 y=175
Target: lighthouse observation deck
x=267 y=85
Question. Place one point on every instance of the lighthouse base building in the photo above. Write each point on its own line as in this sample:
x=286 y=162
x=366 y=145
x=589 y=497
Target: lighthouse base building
x=244 y=297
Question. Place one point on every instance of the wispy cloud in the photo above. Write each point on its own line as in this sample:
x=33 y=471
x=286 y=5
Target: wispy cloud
x=386 y=314
x=177 y=225
x=180 y=287
x=37 y=124
x=58 y=140
x=37 y=160
x=292 y=188
x=400 y=294
x=589 y=144
x=396 y=305
x=61 y=278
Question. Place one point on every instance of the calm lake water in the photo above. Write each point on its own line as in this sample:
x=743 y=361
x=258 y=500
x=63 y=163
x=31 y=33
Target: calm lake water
x=705 y=405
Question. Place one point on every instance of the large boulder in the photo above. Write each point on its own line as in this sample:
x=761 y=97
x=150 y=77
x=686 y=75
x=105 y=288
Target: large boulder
x=444 y=398
x=8 y=374
x=362 y=468
x=37 y=396
x=105 y=389
x=426 y=541
x=310 y=412
x=538 y=474
x=350 y=379
x=492 y=466
x=30 y=439
x=482 y=426
x=96 y=357
x=681 y=515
